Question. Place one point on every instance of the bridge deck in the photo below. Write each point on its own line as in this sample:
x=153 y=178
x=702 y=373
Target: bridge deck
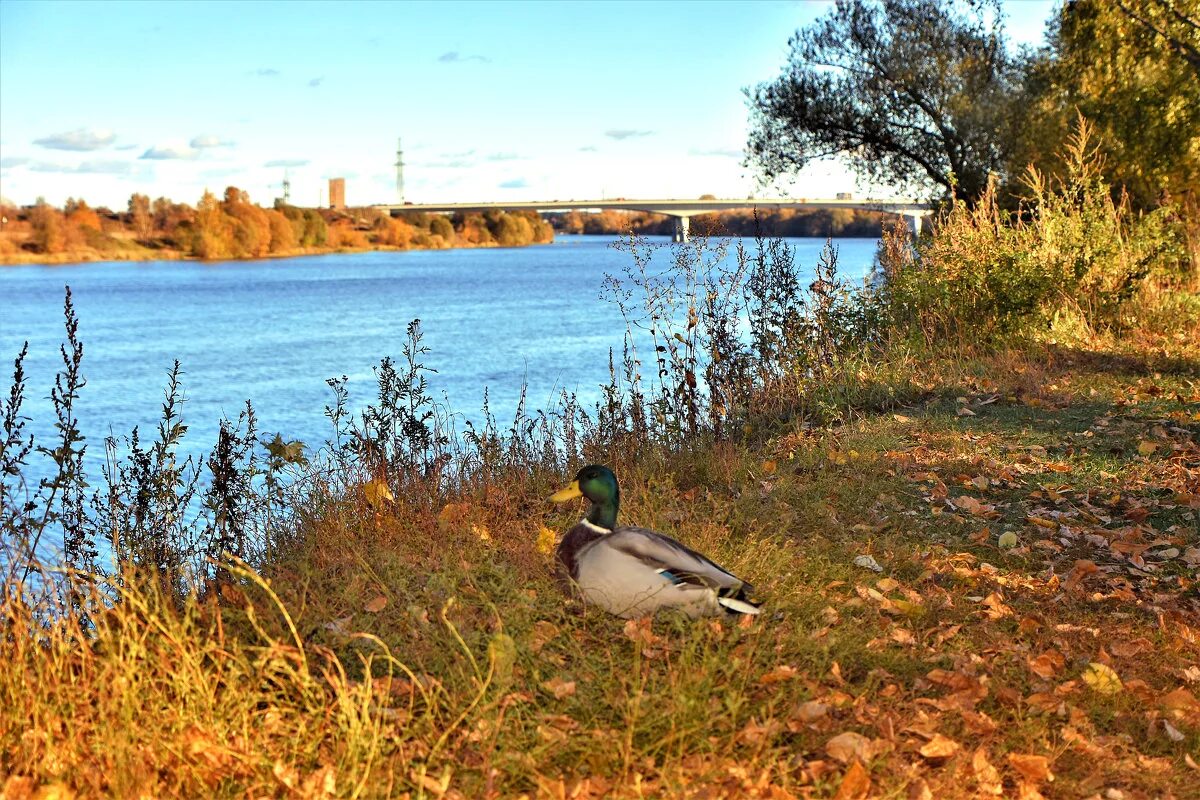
x=671 y=207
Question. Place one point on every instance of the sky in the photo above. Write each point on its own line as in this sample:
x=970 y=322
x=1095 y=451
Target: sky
x=492 y=100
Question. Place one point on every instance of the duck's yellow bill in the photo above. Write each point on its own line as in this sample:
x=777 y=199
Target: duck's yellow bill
x=569 y=493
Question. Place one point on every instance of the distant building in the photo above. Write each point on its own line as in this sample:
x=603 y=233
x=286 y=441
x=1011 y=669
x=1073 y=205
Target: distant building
x=845 y=195
x=337 y=193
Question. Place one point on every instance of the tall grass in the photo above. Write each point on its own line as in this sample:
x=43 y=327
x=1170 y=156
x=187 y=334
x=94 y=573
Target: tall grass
x=1073 y=248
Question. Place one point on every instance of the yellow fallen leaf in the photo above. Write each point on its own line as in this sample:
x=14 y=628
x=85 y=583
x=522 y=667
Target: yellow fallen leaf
x=1146 y=448
x=546 y=540
x=376 y=604
x=768 y=467
x=1102 y=678
x=482 y=532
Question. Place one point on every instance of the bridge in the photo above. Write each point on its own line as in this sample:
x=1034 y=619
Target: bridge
x=681 y=210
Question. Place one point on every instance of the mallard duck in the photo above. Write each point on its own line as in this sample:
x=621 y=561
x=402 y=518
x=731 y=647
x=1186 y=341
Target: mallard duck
x=634 y=572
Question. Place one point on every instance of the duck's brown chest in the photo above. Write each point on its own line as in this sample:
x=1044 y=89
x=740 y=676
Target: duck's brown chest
x=571 y=545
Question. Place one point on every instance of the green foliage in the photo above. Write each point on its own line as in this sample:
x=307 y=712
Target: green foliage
x=1132 y=68
x=921 y=92
x=441 y=226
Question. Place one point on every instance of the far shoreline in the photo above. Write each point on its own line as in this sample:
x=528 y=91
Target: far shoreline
x=91 y=256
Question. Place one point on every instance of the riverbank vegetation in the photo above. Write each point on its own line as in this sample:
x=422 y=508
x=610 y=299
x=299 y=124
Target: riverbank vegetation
x=968 y=494
x=232 y=227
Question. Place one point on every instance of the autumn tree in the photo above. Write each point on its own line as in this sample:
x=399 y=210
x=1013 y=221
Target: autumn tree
x=917 y=93
x=212 y=233
x=441 y=226
x=48 y=228
x=283 y=235
x=80 y=215
x=139 y=216
x=249 y=227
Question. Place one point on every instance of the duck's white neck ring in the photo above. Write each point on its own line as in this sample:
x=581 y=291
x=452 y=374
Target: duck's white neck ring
x=593 y=526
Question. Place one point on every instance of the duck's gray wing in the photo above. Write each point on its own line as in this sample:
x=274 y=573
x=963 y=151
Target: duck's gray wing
x=667 y=555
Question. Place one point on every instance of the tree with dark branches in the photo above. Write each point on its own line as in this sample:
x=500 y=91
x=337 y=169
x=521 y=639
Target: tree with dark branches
x=917 y=93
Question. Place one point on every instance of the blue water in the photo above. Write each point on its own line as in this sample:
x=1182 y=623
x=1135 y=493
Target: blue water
x=273 y=331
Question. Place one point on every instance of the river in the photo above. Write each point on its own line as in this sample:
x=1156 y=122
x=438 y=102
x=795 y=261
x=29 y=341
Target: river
x=273 y=331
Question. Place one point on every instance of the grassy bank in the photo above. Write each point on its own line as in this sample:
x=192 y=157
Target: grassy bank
x=422 y=647
x=975 y=528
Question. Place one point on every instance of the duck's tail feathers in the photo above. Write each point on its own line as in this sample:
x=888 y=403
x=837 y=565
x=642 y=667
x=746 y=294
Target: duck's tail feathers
x=738 y=606
x=739 y=599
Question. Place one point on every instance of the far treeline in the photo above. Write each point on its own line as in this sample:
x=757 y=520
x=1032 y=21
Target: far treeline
x=234 y=227
x=840 y=222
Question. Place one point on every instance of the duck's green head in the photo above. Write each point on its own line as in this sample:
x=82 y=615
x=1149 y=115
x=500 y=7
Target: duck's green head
x=598 y=484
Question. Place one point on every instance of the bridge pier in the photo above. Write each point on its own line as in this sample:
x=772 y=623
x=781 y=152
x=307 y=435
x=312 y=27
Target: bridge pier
x=683 y=226
x=914 y=224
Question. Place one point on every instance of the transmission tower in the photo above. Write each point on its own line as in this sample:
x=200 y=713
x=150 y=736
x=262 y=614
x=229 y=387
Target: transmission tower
x=399 y=173
x=287 y=187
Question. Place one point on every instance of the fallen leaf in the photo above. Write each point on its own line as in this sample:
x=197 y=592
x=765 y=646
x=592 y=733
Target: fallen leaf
x=781 y=673
x=868 y=562
x=559 y=688
x=987 y=776
x=847 y=746
x=543 y=632
x=375 y=604
x=810 y=711
x=1035 y=769
x=939 y=748
x=1047 y=664
x=919 y=790
x=856 y=783
x=1147 y=448
x=1102 y=678
x=1173 y=733
x=1180 y=700
x=285 y=774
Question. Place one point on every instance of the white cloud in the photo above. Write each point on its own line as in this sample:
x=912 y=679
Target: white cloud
x=81 y=139
x=86 y=168
x=205 y=141
x=169 y=152
x=626 y=133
